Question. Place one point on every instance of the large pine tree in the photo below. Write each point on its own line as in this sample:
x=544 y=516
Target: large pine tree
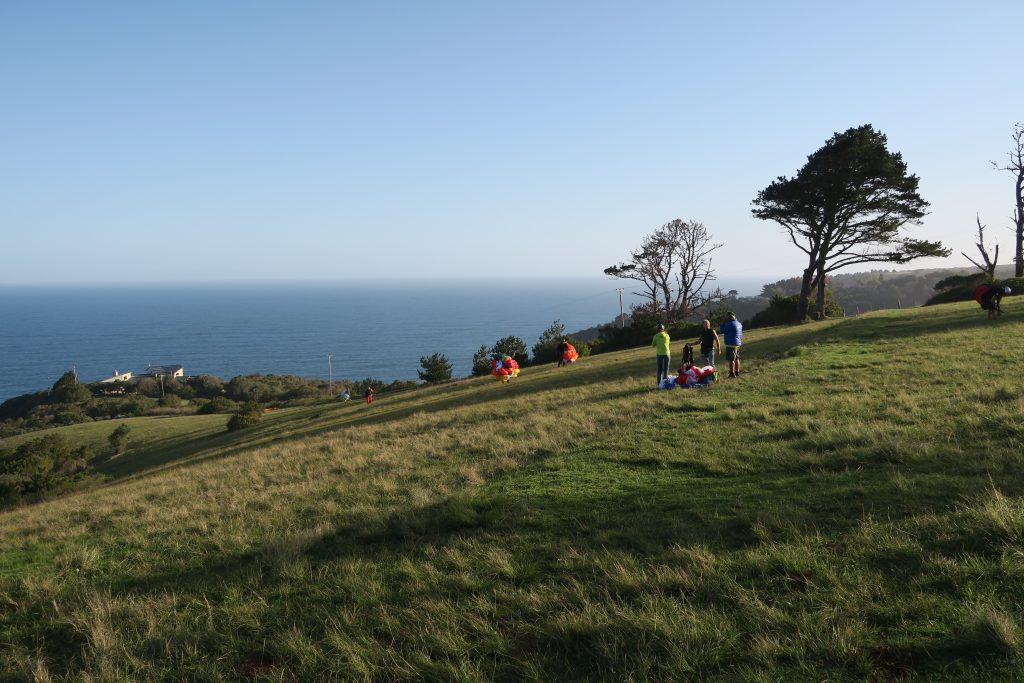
x=848 y=205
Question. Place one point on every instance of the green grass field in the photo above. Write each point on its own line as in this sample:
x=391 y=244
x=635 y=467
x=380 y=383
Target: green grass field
x=850 y=509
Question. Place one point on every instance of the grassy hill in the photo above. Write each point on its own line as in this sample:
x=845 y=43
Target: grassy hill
x=850 y=508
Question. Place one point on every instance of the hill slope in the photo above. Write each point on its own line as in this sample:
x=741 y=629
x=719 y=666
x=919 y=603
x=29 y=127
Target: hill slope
x=850 y=508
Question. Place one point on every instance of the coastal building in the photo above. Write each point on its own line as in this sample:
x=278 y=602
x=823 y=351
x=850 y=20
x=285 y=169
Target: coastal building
x=118 y=377
x=153 y=371
x=165 y=371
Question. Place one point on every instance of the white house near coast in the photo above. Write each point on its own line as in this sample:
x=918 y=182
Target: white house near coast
x=118 y=377
x=151 y=371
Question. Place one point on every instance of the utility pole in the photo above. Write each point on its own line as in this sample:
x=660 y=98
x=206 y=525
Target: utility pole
x=330 y=376
x=622 y=317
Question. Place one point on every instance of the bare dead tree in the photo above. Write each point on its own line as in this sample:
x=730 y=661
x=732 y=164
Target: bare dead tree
x=674 y=265
x=643 y=268
x=1015 y=166
x=990 y=263
x=694 y=247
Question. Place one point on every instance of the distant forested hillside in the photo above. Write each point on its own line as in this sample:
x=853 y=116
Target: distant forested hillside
x=876 y=289
x=854 y=292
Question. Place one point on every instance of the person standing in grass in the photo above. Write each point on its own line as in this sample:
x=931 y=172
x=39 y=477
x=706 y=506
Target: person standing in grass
x=732 y=331
x=662 y=347
x=368 y=394
x=563 y=348
x=709 y=343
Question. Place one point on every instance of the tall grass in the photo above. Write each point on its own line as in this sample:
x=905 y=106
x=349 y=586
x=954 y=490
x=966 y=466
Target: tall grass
x=849 y=511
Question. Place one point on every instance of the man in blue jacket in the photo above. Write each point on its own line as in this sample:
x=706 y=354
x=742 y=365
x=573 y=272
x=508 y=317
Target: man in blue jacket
x=732 y=333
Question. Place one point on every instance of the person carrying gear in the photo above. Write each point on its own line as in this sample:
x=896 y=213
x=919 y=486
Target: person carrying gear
x=990 y=296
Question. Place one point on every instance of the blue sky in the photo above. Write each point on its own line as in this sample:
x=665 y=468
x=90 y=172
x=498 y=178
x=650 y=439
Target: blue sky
x=240 y=140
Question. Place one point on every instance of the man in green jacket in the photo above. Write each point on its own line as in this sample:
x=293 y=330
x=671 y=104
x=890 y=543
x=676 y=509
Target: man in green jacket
x=661 y=343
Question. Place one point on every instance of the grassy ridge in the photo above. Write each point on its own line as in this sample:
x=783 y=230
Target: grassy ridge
x=844 y=511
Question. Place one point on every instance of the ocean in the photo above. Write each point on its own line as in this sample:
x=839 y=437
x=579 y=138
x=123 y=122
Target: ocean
x=372 y=328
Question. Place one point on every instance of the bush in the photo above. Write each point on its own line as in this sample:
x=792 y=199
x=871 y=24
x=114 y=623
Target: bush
x=546 y=348
x=118 y=438
x=171 y=401
x=783 y=310
x=39 y=466
x=139 y=406
x=960 y=281
x=639 y=332
x=481 y=362
x=965 y=292
x=176 y=387
x=511 y=346
x=249 y=415
x=19 y=406
x=436 y=368
x=218 y=405
x=206 y=386
x=70 y=415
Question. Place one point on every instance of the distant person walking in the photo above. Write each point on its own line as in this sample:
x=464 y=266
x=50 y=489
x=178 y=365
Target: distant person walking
x=732 y=332
x=368 y=394
x=662 y=347
x=563 y=350
x=709 y=342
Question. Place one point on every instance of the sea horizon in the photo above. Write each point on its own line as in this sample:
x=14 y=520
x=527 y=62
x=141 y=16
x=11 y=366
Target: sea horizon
x=372 y=327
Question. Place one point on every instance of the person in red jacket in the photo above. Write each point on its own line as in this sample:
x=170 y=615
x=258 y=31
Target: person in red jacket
x=368 y=394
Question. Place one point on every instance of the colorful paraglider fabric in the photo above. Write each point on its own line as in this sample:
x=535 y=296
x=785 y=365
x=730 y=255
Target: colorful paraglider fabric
x=505 y=368
x=693 y=377
x=979 y=294
x=570 y=355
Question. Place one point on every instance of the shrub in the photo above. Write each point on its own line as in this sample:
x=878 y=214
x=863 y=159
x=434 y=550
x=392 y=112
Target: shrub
x=171 y=401
x=436 y=368
x=68 y=390
x=206 y=386
x=960 y=281
x=249 y=415
x=19 y=406
x=965 y=292
x=511 y=346
x=39 y=466
x=546 y=348
x=139 y=406
x=639 y=333
x=783 y=310
x=176 y=387
x=218 y=405
x=118 y=438
x=481 y=362
x=69 y=415
x=147 y=386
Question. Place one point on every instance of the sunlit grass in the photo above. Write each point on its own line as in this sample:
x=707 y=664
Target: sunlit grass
x=849 y=509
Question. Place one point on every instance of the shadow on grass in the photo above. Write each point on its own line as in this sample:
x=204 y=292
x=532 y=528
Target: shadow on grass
x=535 y=526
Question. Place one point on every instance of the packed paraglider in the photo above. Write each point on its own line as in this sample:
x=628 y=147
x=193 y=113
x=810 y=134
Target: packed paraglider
x=504 y=368
x=690 y=376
